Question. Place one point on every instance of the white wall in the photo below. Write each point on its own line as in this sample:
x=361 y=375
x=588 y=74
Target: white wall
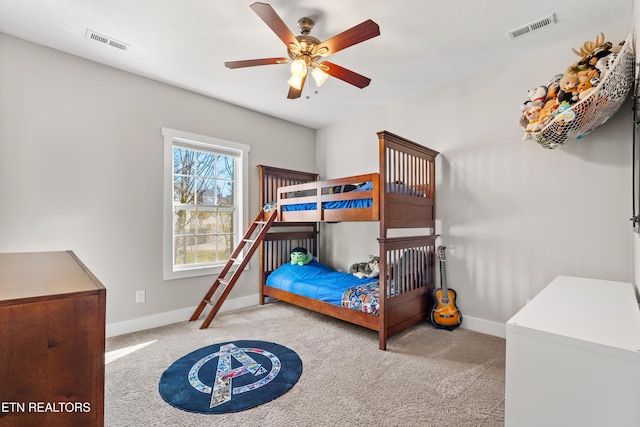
x=81 y=169
x=512 y=214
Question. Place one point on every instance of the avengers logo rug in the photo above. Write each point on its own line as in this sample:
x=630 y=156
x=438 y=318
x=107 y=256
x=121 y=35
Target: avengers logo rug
x=230 y=377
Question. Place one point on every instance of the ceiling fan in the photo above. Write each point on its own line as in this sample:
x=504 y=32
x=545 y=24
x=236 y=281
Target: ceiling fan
x=306 y=52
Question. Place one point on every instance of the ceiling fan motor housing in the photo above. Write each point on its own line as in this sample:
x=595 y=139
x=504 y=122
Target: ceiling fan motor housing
x=305 y=25
x=307 y=49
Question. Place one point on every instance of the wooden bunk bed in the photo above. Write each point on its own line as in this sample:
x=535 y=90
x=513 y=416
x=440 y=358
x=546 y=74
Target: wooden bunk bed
x=400 y=195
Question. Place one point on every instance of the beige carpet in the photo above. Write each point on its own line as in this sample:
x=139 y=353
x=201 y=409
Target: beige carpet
x=427 y=377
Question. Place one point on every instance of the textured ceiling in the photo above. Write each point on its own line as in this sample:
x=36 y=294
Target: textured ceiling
x=423 y=44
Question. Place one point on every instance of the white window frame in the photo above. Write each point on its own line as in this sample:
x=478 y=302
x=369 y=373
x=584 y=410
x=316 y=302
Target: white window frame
x=173 y=137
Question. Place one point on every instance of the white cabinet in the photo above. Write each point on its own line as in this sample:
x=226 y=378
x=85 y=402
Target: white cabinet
x=573 y=356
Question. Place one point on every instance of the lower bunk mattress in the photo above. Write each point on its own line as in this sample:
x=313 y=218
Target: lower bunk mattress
x=321 y=282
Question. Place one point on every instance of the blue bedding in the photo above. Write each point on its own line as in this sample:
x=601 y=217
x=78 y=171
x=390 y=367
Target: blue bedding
x=315 y=280
x=357 y=203
x=336 y=204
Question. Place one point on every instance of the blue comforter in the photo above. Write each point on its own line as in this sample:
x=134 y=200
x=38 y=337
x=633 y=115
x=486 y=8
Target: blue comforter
x=356 y=203
x=315 y=280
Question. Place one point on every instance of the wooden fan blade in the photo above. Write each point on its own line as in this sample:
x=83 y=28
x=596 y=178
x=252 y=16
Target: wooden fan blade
x=295 y=93
x=255 y=62
x=277 y=25
x=361 y=32
x=346 y=75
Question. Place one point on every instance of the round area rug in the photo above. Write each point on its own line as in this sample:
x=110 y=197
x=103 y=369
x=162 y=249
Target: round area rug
x=230 y=377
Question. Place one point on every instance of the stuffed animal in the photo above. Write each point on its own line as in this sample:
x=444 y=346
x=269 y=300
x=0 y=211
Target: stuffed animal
x=531 y=107
x=569 y=85
x=555 y=80
x=604 y=64
x=563 y=96
x=600 y=52
x=533 y=127
x=554 y=88
x=564 y=113
x=537 y=95
x=546 y=113
x=587 y=51
x=535 y=98
x=588 y=74
x=583 y=94
x=370 y=268
x=532 y=113
x=617 y=48
x=300 y=256
x=585 y=88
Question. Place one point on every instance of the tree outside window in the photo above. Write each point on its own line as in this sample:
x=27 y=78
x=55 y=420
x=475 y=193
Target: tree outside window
x=203 y=195
x=205 y=202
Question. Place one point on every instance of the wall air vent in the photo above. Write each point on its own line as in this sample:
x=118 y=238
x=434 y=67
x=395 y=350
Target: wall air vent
x=533 y=26
x=90 y=34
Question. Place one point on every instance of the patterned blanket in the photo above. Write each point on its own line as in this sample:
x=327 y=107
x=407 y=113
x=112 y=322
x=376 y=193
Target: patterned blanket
x=363 y=298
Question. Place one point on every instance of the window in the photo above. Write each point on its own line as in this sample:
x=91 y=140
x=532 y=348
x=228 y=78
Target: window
x=205 y=202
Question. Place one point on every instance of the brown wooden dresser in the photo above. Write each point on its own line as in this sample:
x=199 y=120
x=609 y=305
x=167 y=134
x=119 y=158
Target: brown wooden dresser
x=52 y=341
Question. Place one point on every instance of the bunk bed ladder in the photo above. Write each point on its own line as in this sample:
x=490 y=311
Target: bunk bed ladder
x=262 y=223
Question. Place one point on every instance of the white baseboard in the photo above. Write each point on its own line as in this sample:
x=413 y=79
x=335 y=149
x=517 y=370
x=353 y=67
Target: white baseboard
x=175 y=316
x=154 y=321
x=484 y=326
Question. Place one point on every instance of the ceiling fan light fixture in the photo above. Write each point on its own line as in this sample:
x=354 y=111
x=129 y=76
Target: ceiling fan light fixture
x=298 y=68
x=319 y=76
x=296 y=82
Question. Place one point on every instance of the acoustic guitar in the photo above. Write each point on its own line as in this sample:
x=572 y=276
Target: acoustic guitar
x=445 y=313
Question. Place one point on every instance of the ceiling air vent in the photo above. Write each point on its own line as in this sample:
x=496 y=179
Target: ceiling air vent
x=531 y=27
x=90 y=34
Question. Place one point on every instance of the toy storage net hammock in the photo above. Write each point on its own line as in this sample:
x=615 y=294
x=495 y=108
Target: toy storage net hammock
x=595 y=109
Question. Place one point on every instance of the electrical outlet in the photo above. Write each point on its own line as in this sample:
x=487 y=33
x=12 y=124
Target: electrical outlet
x=140 y=296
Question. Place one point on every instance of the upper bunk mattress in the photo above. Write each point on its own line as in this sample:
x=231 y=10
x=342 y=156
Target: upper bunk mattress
x=355 y=203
